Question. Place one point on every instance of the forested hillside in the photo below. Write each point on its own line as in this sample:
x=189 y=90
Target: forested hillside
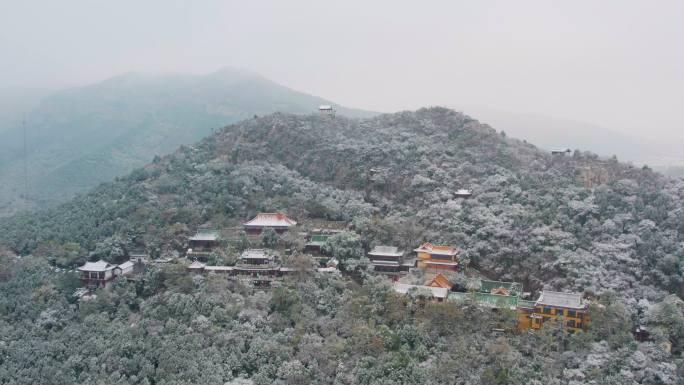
x=575 y=223
x=80 y=137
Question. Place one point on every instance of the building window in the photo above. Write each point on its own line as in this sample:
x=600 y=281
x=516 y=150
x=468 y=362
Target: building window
x=571 y=323
x=571 y=313
x=547 y=310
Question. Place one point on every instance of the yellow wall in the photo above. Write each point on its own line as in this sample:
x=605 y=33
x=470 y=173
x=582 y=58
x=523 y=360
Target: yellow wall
x=524 y=321
x=581 y=318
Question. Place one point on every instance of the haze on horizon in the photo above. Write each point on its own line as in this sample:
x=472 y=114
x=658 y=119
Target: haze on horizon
x=613 y=63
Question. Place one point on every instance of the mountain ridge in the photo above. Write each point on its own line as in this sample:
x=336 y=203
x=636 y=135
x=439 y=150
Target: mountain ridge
x=93 y=133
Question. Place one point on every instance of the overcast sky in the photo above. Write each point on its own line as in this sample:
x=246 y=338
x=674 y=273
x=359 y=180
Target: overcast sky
x=617 y=63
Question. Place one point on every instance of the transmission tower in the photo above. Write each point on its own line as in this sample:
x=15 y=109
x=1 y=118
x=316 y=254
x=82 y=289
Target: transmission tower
x=26 y=188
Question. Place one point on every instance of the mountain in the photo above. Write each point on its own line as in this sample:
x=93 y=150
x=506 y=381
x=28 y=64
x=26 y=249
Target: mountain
x=608 y=230
x=548 y=132
x=530 y=209
x=80 y=137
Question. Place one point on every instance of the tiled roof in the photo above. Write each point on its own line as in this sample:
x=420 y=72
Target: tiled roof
x=205 y=235
x=196 y=265
x=126 y=265
x=440 y=281
x=555 y=298
x=438 y=250
x=318 y=240
x=218 y=268
x=255 y=254
x=388 y=251
x=96 y=266
x=271 y=220
x=494 y=300
x=384 y=263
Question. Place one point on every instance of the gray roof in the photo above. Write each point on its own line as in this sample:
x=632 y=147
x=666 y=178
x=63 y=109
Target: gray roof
x=218 y=268
x=255 y=254
x=205 y=235
x=126 y=265
x=389 y=251
x=560 y=299
x=270 y=220
x=96 y=266
x=196 y=265
x=385 y=263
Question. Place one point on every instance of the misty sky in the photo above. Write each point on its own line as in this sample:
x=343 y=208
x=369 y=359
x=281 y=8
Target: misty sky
x=616 y=63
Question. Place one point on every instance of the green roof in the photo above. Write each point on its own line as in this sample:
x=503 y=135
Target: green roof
x=495 y=300
x=525 y=303
x=318 y=239
x=514 y=288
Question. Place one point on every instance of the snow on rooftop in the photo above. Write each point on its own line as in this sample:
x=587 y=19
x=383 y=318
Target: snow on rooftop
x=126 y=265
x=386 y=251
x=255 y=254
x=196 y=265
x=556 y=298
x=437 y=250
x=96 y=266
x=205 y=235
x=270 y=220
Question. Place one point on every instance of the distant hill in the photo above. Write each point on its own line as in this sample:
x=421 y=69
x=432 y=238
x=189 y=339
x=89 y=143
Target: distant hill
x=80 y=137
x=549 y=132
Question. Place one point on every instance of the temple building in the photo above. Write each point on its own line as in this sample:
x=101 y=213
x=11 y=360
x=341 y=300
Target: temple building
x=276 y=221
x=326 y=110
x=568 y=306
x=125 y=268
x=315 y=244
x=561 y=151
x=386 y=259
x=97 y=274
x=203 y=243
x=463 y=193
x=436 y=257
x=440 y=281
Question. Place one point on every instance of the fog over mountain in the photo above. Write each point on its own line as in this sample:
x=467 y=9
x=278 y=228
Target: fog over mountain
x=80 y=137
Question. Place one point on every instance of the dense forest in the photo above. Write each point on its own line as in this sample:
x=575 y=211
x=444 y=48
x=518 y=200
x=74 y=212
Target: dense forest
x=574 y=223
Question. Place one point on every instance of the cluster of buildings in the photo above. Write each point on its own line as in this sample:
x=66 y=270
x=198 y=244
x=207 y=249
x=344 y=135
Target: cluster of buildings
x=261 y=266
x=568 y=308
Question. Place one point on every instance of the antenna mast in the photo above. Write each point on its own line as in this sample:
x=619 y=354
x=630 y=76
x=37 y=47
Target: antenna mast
x=26 y=188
